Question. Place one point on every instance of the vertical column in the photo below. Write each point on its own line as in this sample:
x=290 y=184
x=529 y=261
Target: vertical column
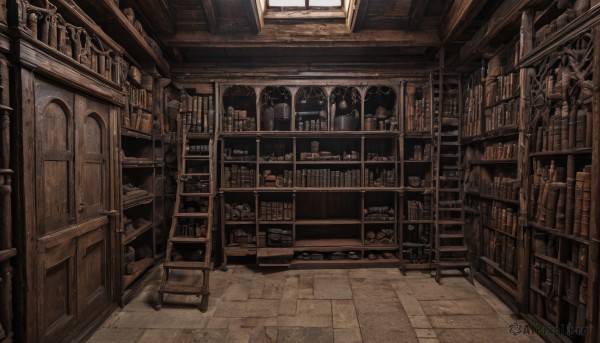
x=524 y=166
x=593 y=303
x=5 y=204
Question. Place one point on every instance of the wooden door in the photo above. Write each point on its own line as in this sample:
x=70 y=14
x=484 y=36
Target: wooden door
x=92 y=194
x=72 y=198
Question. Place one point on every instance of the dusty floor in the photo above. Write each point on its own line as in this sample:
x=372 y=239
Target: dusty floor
x=359 y=305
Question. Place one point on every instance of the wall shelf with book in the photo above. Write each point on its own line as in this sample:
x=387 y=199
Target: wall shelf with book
x=314 y=170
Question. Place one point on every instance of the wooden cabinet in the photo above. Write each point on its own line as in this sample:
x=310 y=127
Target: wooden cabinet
x=68 y=95
x=72 y=199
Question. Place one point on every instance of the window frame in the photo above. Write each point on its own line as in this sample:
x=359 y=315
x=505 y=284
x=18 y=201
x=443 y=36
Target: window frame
x=306 y=7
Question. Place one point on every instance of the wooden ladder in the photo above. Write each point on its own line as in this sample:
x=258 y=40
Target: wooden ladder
x=451 y=251
x=190 y=240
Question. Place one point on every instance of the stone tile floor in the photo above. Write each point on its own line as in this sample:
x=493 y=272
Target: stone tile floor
x=358 y=305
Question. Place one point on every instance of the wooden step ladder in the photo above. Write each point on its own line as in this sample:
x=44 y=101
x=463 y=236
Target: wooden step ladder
x=451 y=251
x=190 y=240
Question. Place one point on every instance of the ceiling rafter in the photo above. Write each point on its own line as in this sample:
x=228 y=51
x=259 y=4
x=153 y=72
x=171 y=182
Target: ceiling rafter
x=417 y=11
x=358 y=15
x=459 y=17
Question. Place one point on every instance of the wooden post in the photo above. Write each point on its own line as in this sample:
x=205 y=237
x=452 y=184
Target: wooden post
x=524 y=167
x=594 y=234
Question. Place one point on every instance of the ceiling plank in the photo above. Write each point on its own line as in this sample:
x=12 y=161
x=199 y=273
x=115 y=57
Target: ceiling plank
x=253 y=12
x=211 y=16
x=506 y=15
x=417 y=10
x=359 y=15
x=304 y=35
x=156 y=13
x=460 y=15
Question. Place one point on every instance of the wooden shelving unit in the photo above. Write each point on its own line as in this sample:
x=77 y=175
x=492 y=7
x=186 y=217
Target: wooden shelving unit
x=490 y=126
x=293 y=197
x=138 y=162
x=416 y=236
x=553 y=205
x=560 y=195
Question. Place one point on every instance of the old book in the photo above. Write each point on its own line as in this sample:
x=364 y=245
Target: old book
x=578 y=203
x=586 y=203
x=560 y=207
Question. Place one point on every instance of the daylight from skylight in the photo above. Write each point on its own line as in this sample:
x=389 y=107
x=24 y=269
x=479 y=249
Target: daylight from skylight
x=302 y=3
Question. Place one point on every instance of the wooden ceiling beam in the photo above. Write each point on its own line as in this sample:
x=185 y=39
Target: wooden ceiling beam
x=304 y=35
x=211 y=16
x=156 y=13
x=254 y=14
x=507 y=14
x=358 y=15
x=417 y=11
x=460 y=15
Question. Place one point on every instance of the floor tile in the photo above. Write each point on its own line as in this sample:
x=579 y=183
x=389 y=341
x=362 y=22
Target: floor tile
x=464 y=306
x=333 y=288
x=248 y=304
x=347 y=336
x=116 y=335
x=309 y=313
x=344 y=314
x=305 y=334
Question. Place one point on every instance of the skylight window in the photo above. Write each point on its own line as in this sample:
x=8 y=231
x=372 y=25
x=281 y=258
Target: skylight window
x=305 y=4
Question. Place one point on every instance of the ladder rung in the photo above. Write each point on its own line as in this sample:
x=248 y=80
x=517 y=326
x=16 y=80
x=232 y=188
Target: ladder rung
x=453 y=248
x=194 y=174
x=180 y=289
x=186 y=265
x=191 y=215
x=451 y=209
x=450 y=202
x=451 y=222
x=451 y=235
x=195 y=194
x=454 y=264
x=188 y=240
x=196 y=157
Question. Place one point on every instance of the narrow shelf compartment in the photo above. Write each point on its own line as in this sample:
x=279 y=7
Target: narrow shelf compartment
x=137 y=232
x=493 y=162
x=139 y=268
x=558 y=233
x=127 y=204
x=498 y=269
x=499 y=231
x=495 y=198
x=560 y=264
x=328 y=244
x=125 y=131
x=327 y=221
x=563 y=153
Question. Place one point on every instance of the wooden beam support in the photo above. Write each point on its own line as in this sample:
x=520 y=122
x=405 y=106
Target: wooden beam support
x=211 y=16
x=460 y=15
x=359 y=15
x=507 y=14
x=254 y=14
x=156 y=13
x=302 y=36
x=417 y=10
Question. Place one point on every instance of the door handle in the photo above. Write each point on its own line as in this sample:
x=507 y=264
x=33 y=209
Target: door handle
x=81 y=207
x=111 y=213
